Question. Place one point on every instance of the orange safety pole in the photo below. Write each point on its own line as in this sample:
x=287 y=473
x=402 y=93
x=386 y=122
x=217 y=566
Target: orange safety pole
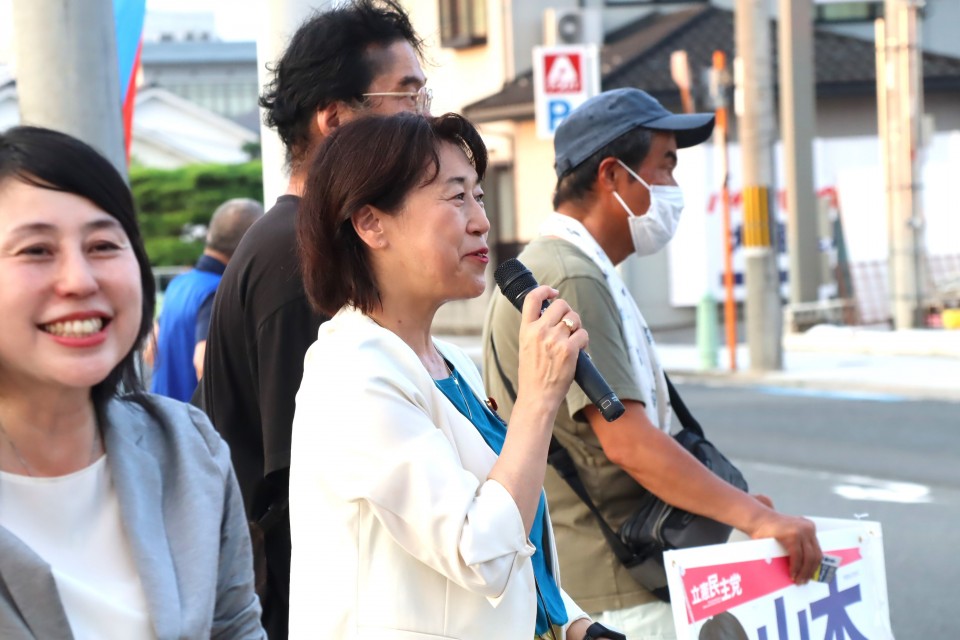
x=729 y=304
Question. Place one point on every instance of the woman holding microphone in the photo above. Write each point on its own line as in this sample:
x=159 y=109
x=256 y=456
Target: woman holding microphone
x=415 y=512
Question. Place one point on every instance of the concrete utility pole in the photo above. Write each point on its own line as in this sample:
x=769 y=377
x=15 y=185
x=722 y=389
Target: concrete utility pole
x=66 y=70
x=900 y=107
x=754 y=106
x=797 y=117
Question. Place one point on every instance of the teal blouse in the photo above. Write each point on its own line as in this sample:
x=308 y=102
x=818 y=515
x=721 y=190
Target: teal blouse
x=550 y=607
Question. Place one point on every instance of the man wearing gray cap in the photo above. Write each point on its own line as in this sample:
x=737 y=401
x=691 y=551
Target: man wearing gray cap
x=615 y=196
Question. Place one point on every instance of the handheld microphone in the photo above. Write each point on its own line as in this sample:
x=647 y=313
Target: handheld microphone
x=515 y=282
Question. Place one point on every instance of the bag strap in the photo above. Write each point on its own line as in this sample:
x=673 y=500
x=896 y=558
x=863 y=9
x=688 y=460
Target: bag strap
x=687 y=421
x=274 y=514
x=559 y=458
x=507 y=385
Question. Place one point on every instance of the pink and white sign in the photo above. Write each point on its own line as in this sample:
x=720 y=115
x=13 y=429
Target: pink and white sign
x=742 y=590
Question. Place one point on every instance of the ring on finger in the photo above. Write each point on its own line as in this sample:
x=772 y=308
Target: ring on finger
x=570 y=325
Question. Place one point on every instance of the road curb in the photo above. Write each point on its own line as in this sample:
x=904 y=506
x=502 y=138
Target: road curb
x=872 y=342
x=756 y=379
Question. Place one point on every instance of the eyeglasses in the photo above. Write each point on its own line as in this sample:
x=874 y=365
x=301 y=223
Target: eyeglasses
x=422 y=98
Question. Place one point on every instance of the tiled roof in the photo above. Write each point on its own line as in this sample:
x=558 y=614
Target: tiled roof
x=638 y=55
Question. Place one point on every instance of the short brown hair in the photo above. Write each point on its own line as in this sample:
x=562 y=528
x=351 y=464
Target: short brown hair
x=375 y=160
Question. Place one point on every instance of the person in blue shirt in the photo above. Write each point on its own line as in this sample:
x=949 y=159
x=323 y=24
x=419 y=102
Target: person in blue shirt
x=181 y=330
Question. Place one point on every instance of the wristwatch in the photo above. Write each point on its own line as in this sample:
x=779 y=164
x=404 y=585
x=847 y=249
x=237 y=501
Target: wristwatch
x=597 y=630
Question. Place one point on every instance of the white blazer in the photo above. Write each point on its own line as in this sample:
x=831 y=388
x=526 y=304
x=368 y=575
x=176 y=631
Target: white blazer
x=397 y=532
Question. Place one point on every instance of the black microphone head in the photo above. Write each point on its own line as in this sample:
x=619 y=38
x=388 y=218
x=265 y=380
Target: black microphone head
x=514 y=280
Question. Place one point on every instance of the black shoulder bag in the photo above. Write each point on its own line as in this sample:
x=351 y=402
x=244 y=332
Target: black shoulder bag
x=656 y=526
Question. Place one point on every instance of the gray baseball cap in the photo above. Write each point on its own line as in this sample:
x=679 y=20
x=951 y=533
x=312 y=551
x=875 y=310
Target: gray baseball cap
x=605 y=117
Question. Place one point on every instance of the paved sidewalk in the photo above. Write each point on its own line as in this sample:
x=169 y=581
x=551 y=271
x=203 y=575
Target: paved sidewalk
x=843 y=360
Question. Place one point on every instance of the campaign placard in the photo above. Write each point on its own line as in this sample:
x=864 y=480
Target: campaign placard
x=742 y=590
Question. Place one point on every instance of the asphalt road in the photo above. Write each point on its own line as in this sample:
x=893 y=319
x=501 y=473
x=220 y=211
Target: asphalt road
x=836 y=455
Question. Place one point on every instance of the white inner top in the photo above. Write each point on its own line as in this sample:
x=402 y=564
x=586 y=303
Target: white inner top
x=640 y=346
x=73 y=523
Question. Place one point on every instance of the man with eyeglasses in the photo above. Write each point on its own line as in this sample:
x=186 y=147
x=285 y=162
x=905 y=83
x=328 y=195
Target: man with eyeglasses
x=357 y=59
x=419 y=100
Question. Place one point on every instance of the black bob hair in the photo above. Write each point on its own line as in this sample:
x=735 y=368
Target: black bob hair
x=49 y=159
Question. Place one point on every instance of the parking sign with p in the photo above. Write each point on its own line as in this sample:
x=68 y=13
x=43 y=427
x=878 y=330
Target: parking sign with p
x=564 y=77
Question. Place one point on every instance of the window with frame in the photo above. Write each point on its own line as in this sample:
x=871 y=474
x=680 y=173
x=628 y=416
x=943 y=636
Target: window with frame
x=833 y=12
x=463 y=23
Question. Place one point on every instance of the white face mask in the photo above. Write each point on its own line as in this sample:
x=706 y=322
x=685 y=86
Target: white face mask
x=652 y=232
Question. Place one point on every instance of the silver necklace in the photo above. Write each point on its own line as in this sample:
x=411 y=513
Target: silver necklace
x=445 y=364
x=28 y=468
x=456 y=382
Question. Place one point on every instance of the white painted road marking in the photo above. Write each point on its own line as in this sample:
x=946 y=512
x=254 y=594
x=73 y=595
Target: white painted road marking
x=833 y=394
x=856 y=487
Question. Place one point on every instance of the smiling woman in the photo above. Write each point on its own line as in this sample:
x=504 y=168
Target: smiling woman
x=401 y=474
x=421 y=227
x=70 y=273
x=95 y=486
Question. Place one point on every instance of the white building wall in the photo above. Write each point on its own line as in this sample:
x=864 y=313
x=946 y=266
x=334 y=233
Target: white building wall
x=535 y=180
x=145 y=152
x=9 y=113
x=194 y=137
x=461 y=76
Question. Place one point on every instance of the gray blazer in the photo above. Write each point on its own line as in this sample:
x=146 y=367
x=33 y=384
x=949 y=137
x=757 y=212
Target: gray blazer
x=182 y=511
